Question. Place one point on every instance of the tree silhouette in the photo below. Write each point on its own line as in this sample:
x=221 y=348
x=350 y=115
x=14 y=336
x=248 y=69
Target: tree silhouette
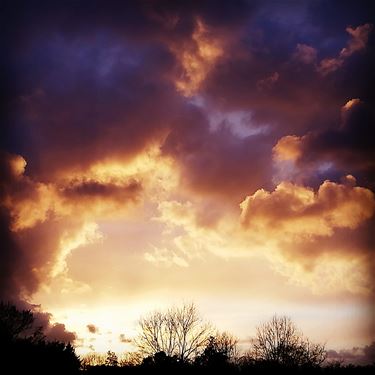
x=25 y=348
x=220 y=350
x=279 y=342
x=93 y=359
x=130 y=359
x=177 y=332
x=16 y=324
x=111 y=359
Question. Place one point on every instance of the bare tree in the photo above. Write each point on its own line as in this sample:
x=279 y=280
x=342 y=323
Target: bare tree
x=179 y=331
x=278 y=341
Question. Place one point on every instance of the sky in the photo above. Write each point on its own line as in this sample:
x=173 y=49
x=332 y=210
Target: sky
x=155 y=153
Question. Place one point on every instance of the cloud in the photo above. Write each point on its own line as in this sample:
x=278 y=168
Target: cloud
x=36 y=202
x=124 y=339
x=357 y=42
x=348 y=147
x=287 y=148
x=116 y=95
x=96 y=189
x=268 y=82
x=86 y=234
x=58 y=332
x=165 y=257
x=92 y=328
x=307 y=234
x=305 y=54
x=293 y=210
x=172 y=113
x=310 y=233
x=357 y=355
x=43 y=320
x=359 y=39
x=197 y=58
x=301 y=99
x=13 y=256
x=43 y=222
x=211 y=161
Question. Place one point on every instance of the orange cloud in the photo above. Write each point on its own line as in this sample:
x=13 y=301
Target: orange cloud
x=293 y=210
x=92 y=328
x=197 y=58
x=36 y=202
x=311 y=236
x=350 y=104
x=56 y=217
x=287 y=148
x=17 y=165
x=104 y=189
x=347 y=110
x=357 y=42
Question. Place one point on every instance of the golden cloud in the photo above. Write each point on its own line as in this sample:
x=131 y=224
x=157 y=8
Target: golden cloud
x=105 y=189
x=197 y=58
x=314 y=237
x=287 y=148
x=63 y=213
x=294 y=210
x=297 y=229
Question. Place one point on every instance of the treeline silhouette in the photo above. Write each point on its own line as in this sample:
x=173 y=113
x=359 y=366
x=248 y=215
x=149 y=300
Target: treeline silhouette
x=24 y=348
x=175 y=341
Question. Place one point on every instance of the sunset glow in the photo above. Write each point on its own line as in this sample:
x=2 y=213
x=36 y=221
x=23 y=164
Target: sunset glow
x=156 y=153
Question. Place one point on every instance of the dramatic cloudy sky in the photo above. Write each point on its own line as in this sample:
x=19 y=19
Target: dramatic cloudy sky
x=221 y=152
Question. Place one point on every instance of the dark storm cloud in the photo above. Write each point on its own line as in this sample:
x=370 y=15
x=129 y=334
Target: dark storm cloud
x=218 y=162
x=347 y=147
x=300 y=99
x=10 y=255
x=351 y=147
x=95 y=107
x=18 y=277
x=95 y=189
x=93 y=81
x=14 y=276
x=80 y=83
x=27 y=257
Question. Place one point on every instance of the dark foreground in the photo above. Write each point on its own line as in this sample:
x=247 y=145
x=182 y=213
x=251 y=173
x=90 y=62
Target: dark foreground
x=328 y=370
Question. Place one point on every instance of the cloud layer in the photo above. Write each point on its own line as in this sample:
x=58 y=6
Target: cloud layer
x=221 y=131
